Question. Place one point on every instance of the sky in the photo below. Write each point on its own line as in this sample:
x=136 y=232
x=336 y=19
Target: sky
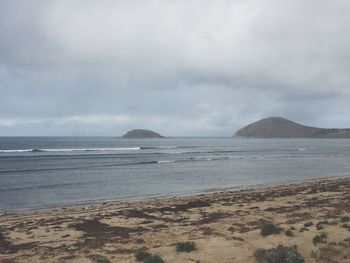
x=180 y=68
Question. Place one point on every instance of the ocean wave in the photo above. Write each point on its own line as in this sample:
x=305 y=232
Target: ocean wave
x=73 y=150
x=166 y=161
x=157 y=147
x=298 y=149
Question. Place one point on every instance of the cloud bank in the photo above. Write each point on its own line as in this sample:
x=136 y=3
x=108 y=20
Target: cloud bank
x=195 y=68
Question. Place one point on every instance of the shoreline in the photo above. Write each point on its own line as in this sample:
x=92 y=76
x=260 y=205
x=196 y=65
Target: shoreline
x=224 y=224
x=173 y=195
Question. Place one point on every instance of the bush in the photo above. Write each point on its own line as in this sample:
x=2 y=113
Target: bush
x=185 y=246
x=345 y=219
x=141 y=255
x=269 y=229
x=278 y=255
x=307 y=224
x=319 y=239
x=153 y=259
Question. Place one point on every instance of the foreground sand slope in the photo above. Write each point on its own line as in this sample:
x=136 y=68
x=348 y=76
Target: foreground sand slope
x=225 y=226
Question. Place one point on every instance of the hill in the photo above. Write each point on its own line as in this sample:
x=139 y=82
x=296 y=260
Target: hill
x=277 y=127
x=142 y=134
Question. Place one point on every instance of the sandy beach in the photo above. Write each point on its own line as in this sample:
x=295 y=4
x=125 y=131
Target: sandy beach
x=225 y=226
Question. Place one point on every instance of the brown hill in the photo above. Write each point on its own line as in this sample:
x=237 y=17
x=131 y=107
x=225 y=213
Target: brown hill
x=277 y=127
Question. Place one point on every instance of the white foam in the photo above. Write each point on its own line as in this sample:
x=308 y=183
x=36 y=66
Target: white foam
x=72 y=150
x=166 y=161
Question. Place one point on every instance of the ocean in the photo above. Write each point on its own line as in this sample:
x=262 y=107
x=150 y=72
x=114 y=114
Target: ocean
x=39 y=172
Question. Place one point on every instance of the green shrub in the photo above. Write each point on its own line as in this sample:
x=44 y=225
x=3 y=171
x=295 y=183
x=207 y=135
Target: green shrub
x=269 y=229
x=141 y=255
x=307 y=224
x=345 y=219
x=278 y=255
x=153 y=259
x=185 y=246
x=319 y=239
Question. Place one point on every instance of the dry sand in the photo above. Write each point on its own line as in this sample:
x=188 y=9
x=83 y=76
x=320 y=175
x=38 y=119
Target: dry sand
x=225 y=226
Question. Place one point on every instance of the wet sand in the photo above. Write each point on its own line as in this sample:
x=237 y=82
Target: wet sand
x=225 y=226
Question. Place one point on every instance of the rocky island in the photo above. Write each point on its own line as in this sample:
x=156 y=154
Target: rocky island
x=142 y=134
x=277 y=127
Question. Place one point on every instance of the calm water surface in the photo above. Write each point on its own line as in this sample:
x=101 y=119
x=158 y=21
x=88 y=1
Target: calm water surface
x=46 y=171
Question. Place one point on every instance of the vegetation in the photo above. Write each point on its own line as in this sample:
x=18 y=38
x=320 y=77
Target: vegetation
x=323 y=235
x=279 y=254
x=238 y=238
x=307 y=224
x=319 y=226
x=153 y=259
x=303 y=229
x=346 y=226
x=269 y=229
x=141 y=255
x=289 y=232
x=100 y=259
x=146 y=257
x=319 y=239
x=344 y=219
x=185 y=246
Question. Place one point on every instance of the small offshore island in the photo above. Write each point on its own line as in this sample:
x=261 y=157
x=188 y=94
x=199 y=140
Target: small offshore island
x=142 y=134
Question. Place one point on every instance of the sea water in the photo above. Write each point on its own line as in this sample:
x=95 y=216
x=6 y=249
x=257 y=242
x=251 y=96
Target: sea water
x=40 y=172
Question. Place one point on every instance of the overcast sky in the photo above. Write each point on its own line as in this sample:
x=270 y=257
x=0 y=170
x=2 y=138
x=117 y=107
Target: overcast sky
x=197 y=68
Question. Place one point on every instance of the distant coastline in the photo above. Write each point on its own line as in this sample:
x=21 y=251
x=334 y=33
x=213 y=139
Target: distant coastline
x=278 y=127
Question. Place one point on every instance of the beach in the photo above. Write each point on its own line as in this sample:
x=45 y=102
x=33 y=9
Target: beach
x=225 y=226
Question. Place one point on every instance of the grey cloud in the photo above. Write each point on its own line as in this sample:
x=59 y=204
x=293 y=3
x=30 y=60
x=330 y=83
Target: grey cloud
x=182 y=68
